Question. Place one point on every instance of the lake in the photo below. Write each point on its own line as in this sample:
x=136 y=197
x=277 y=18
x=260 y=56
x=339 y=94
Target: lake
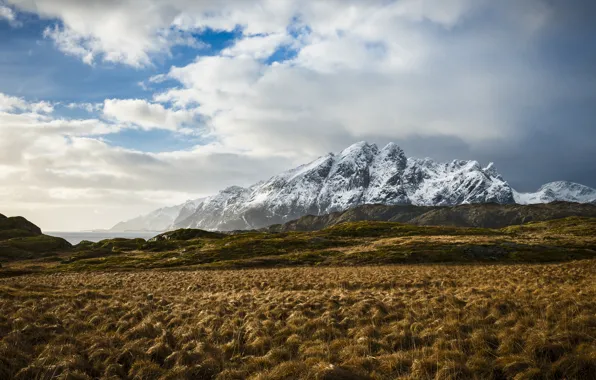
x=77 y=237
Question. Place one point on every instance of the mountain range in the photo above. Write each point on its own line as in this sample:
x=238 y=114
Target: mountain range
x=361 y=174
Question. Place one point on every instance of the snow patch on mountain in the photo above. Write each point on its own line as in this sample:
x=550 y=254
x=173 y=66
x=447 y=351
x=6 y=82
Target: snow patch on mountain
x=558 y=191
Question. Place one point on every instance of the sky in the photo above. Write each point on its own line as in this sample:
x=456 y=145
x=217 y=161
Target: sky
x=112 y=108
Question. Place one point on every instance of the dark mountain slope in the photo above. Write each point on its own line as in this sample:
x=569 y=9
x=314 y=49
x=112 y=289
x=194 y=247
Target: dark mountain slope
x=498 y=216
x=488 y=215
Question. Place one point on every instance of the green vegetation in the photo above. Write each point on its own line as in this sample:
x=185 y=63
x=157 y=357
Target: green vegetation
x=392 y=229
x=15 y=233
x=17 y=223
x=354 y=243
x=575 y=226
x=187 y=234
x=20 y=248
x=116 y=244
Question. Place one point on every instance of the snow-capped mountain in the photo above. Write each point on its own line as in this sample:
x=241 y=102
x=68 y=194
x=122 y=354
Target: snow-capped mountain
x=558 y=191
x=360 y=174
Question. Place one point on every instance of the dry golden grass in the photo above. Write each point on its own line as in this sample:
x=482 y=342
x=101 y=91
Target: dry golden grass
x=389 y=322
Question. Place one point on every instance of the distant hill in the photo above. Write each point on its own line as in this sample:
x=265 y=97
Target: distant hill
x=21 y=239
x=351 y=243
x=487 y=215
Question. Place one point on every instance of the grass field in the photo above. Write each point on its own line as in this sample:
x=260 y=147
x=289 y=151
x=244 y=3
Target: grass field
x=349 y=244
x=483 y=321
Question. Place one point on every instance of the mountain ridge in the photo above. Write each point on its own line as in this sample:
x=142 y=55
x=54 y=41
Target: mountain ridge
x=360 y=174
x=488 y=215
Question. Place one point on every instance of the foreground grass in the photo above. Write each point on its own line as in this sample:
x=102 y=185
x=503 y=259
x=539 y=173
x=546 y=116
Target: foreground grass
x=525 y=321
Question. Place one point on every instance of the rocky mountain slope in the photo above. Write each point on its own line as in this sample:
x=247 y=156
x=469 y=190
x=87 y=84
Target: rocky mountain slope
x=361 y=174
x=490 y=215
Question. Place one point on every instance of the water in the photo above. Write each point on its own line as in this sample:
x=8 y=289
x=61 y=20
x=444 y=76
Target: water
x=77 y=237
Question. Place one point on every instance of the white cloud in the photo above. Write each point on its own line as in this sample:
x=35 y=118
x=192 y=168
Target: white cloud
x=9 y=103
x=13 y=103
x=258 y=47
x=145 y=114
x=9 y=15
x=378 y=70
x=42 y=107
x=71 y=43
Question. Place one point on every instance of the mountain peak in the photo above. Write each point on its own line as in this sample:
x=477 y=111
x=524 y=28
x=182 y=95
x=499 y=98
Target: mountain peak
x=558 y=191
x=392 y=147
x=358 y=148
x=360 y=174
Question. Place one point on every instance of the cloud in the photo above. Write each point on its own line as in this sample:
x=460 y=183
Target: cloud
x=9 y=15
x=146 y=115
x=125 y=32
x=9 y=103
x=71 y=43
x=133 y=31
x=259 y=46
x=388 y=69
x=13 y=103
x=57 y=170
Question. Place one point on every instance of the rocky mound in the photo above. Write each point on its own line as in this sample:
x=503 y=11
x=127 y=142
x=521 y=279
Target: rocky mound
x=17 y=226
x=186 y=234
x=21 y=239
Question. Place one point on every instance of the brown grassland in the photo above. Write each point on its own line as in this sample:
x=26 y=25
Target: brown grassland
x=470 y=321
x=361 y=300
